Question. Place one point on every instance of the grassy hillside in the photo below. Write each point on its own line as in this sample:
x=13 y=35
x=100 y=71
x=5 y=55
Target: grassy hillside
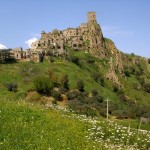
x=131 y=101
x=27 y=126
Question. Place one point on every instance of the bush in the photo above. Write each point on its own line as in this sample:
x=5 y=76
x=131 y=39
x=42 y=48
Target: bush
x=12 y=87
x=90 y=60
x=146 y=87
x=98 y=77
x=94 y=92
x=99 y=99
x=127 y=73
x=136 y=86
x=53 y=77
x=75 y=60
x=57 y=95
x=71 y=95
x=10 y=60
x=120 y=114
x=115 y=88
x=80 y=85
x=132 y=70
x=43 y=85
x=62 y=90
x=65 y=82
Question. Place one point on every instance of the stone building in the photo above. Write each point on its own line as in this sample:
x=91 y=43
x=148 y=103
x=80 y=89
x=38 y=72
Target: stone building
x=91 y=17
x=18 y=53
x=88 y=36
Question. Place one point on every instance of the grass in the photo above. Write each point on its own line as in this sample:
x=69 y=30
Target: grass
x=26 y=126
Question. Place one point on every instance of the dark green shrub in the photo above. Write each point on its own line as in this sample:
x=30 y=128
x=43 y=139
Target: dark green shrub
x=99 y=98
x=115 y=88
x=12 y=87
x=80 y=85
x=120 y=92
x=120 y=114
x=102 y=112
x=57 y=95
x=132 y=70
x=98 y=77
x=62 y=90
x=71 y=95
x=141 y=80
x=127 y=73
x=89 y=100
x=94 y=92
x=75 y=60
x=10 y=60
x=146 y=87
x=123 y=98
x=65 y=82
x=90 y=60
x=43 y=85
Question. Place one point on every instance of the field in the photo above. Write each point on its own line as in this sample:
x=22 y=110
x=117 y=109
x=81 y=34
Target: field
x=27 y=126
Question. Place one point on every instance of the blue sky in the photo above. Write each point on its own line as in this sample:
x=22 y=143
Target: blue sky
x=126 y=22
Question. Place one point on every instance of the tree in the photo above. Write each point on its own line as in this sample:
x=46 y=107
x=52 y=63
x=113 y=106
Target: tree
x=43 y=85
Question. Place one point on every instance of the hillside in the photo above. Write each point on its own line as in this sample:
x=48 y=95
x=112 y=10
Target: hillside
x=122 y=78
x=27 y=126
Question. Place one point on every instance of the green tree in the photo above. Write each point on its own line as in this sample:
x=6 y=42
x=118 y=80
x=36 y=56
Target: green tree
x=43 y=85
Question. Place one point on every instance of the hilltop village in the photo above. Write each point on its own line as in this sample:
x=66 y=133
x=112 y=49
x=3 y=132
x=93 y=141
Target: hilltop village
x=88 y=36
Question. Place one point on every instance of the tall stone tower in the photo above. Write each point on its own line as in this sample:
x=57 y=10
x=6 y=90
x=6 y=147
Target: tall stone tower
x=91 y=17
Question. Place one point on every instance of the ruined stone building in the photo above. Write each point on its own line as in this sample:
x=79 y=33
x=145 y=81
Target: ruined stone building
x=88 y=36
x=16 y=53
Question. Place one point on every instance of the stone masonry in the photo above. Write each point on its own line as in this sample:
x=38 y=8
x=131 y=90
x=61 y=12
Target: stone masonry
x=88 y=36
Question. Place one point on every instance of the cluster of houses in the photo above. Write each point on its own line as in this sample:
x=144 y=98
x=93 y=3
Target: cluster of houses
x=87 y=36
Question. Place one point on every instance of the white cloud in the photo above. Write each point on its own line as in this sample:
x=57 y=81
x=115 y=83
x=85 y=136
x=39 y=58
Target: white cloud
x=2 y=46
x=30 y=41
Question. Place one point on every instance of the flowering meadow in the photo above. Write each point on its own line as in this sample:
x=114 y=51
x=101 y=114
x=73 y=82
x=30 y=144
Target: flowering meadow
x=25 y=126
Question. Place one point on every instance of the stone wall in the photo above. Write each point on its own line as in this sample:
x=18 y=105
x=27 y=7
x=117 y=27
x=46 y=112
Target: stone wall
x=87 y=36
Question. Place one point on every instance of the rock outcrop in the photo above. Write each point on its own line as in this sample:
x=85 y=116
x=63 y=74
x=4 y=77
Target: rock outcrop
x=111 y=75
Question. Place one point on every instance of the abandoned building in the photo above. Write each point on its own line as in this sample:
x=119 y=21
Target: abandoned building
x=88 y=37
